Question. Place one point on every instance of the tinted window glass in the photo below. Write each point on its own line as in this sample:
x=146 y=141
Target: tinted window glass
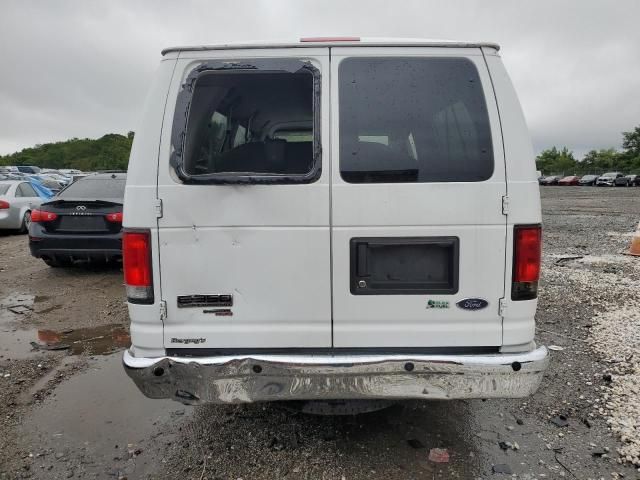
x=4 y=189
x=234 y=119
x=95 y=188
x=413 y=120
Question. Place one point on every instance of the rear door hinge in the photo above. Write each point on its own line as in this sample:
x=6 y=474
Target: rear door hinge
x=502 y=307
x=158 y=207
x=505 y=204
x=163 y=310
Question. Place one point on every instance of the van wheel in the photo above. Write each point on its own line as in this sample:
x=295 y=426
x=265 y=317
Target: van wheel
x=58 y=262
x=26 y=221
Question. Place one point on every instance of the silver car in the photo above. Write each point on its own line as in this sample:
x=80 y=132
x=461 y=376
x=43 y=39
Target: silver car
x=17 y=199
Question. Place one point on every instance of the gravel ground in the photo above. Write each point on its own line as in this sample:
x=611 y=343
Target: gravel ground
x=74 y=414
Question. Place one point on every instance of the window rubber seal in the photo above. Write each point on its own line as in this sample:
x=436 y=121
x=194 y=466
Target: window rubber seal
x=181 y=118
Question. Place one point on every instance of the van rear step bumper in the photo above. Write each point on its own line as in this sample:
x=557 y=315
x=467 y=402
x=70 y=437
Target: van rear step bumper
x=258 y=378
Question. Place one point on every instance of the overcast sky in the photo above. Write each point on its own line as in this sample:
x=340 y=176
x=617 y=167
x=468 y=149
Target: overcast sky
x=81 y=68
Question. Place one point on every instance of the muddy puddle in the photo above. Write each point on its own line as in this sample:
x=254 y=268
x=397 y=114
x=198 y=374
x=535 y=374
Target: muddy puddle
x=18 y=341
x=97 y=423
x=101 y=340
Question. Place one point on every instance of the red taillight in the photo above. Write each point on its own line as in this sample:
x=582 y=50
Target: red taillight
x=329 y=39
x=4 y=205
x=527 y=250
x=114 y=217
x=136 y=260
x=39 y=216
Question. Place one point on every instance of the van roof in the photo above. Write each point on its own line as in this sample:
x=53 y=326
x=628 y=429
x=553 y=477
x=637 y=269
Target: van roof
x=310 y=42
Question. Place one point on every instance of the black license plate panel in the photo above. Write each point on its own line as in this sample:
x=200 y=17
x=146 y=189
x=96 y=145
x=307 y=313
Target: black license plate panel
x=404 y=265
x=82 y=223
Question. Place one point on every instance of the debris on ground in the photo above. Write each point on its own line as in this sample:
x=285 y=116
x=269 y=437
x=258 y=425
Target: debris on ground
x=52 y=347
x=439 y=455
x=555 y=348
x=560 y=421
x=415 y=443
x=568 y=258
x=502 y=468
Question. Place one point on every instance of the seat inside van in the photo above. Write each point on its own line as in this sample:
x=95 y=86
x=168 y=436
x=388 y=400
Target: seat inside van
x=251 y=123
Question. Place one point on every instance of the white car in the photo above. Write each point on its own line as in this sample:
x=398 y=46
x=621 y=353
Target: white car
x=17 y=200
x=333 y=219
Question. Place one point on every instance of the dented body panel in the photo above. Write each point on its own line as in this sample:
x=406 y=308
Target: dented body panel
x=259 y=378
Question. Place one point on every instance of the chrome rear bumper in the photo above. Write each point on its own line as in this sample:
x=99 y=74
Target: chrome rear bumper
x=256 y=378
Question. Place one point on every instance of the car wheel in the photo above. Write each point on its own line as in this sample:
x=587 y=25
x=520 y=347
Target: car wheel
x=26 y=221
x=58 y=262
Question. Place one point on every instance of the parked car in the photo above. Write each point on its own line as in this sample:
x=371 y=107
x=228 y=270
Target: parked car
x=622 y=181
x=634 y=180
x=608 y=179
x=48 y=182
x=242 y=287
x=28 y=169
x=569 y=180
x=17 y=200
x=83 y=222
x=588 y=180
x=550 y=180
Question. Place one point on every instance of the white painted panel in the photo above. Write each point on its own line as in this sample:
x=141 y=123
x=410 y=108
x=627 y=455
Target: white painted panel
x=267 y=245
x=470 y=211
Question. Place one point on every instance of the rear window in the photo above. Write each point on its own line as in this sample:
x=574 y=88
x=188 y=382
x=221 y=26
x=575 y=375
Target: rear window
x=413 y=120
x=4 y=188
x=251 y=122
x=95 y=188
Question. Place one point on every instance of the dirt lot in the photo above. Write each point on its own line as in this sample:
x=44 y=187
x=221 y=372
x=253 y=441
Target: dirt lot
x=73 y=413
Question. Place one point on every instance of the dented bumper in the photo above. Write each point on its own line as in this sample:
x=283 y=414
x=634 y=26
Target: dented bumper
x=258 y=378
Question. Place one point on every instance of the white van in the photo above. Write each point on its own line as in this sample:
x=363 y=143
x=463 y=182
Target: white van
x=332 y=219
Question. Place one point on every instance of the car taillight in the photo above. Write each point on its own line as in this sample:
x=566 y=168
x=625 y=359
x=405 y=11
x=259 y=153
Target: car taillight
x=4 y=205
x=136 y=261
x=115 y=217
x=40 y=216
x=527 y=250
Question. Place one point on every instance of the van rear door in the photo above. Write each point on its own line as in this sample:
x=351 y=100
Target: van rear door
x=244 y=231
x=418 y=180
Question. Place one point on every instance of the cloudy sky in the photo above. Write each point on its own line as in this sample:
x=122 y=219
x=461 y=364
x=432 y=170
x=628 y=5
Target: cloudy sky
x=81 y=68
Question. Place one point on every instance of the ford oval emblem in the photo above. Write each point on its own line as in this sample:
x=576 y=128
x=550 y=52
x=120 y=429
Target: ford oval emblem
x=472 y=303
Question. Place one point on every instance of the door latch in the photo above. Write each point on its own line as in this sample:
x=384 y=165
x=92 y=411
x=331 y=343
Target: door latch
x=505 y=205
x=158 y=207
x=502 y=307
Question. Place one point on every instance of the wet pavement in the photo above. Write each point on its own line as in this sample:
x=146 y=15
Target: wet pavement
x=73 y=413
x=20 y=341
x=97 y=424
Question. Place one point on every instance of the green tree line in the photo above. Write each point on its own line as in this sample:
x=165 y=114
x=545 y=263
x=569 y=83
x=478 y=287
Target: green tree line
x=554 y=161
x=110 y=152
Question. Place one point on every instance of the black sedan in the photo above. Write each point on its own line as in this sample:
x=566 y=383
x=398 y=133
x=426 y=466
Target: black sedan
x=589 y=180
x=83 y=222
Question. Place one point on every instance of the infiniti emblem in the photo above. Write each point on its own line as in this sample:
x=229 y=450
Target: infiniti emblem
x=82 y=208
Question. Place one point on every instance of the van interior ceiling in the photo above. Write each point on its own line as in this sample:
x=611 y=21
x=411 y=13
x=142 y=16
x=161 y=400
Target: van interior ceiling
x=251 y=122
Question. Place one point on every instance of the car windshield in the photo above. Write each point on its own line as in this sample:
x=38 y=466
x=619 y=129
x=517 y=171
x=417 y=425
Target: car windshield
x=4 y=188
x=610 y=175
x=95 y=188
